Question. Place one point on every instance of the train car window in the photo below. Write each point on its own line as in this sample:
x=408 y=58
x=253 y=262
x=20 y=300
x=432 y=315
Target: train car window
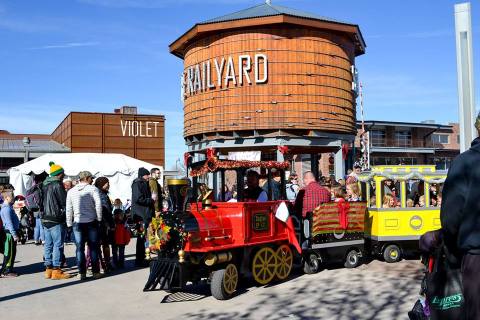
x=390 y=194
x=228 y=179
x=415 y=192
x=436 y=194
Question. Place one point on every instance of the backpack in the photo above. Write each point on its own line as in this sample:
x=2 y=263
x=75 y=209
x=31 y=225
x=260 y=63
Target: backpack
x=34 y=198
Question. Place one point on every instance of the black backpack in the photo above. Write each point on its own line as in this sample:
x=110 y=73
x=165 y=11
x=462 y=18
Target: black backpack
x=34 y=198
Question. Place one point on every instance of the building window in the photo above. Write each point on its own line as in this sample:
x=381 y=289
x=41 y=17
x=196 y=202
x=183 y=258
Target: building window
x=458 y=138
x=389 y=161
x=378 y=138
x=442 y=163
x=403 y=138
x=440 y=138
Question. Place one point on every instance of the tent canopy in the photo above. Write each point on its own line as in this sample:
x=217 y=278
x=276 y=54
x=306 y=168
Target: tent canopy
x=120 y=169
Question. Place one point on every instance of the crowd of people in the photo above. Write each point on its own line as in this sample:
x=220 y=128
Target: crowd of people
x=61 y=209
x=259 y=186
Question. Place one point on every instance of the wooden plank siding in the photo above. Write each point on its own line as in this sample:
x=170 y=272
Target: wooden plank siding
x=102 y=133
x=309 y=82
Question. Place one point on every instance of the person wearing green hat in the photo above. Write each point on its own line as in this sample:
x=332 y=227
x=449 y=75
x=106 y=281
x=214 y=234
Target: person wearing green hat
x=54 y=222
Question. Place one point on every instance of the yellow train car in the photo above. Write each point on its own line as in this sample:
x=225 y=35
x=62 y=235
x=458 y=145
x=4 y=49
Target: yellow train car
x=392 y=225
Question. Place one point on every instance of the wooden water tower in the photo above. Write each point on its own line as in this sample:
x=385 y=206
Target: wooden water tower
x=268 y=76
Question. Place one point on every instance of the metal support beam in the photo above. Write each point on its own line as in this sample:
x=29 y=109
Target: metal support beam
x=466 y=98
x=339 y=165
x=314 y=165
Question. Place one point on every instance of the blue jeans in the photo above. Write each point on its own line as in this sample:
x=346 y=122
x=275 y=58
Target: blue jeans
x=53 y=248
x=87 y=233
x=38 y=231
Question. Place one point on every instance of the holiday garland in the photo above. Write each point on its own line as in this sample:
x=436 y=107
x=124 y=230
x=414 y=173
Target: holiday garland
x=166 y=234
x=213 y=164
x=411 y=176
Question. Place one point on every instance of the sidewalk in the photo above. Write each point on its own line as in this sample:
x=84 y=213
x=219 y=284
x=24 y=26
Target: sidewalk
x=374 y=291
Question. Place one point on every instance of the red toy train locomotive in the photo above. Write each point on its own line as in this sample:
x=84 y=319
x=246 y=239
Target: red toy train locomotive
x=225 y=241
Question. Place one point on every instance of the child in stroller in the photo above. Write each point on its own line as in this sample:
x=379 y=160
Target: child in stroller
x=27 y=220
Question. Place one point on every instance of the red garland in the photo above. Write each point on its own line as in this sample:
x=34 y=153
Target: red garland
x=186 y=157
x=212 y=164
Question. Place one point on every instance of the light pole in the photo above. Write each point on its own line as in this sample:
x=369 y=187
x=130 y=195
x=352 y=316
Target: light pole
x=26 y=145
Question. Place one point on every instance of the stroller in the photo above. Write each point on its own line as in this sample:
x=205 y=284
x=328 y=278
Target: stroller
x=441 y=295
x=27 y=220
x=27 y=225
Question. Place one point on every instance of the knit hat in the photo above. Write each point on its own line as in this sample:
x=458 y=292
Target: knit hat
x=143 y=172
x=84 y=174
x=100 y=182
x=55 y=169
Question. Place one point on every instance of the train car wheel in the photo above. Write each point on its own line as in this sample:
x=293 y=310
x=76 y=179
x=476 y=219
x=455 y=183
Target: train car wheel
x=285 y=262
x=264 y=265
x=224 y=282
x=311 y=264
x=352 y=259
x=392 y=253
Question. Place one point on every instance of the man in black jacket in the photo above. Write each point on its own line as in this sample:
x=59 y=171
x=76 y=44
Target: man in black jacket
x=54 y=222
x=143 y=209
x=460 y=217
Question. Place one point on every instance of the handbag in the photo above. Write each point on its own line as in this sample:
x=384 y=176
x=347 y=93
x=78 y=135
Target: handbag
x=444 y=288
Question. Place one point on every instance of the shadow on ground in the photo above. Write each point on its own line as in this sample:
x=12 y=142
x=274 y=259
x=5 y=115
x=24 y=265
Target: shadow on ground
x=72 y=270
x=336 y=294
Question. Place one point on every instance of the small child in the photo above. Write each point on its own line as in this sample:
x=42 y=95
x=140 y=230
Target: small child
x=339 y=194
x=11 y=226
x=410 y=203
x=122 y=238
x=421 y=202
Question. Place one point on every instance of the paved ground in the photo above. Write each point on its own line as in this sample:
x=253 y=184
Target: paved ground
x=374 y=291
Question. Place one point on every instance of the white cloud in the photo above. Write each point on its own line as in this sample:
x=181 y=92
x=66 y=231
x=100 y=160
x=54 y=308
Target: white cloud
x=67 y=45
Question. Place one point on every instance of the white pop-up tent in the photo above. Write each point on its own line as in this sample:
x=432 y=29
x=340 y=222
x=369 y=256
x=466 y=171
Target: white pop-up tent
x=120 y=169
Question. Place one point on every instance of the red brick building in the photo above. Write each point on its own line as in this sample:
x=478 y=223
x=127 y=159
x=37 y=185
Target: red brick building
x=394 y=143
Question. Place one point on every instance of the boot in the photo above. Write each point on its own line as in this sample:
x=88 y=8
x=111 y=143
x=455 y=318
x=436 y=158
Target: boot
x=58 y=274
x=48 y=273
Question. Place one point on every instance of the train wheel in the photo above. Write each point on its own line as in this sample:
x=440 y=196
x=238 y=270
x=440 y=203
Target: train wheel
x=311 y=264
x=392 y=253
x=352 y=259
x=264 y=265
x=285 y=262
x=224 y=282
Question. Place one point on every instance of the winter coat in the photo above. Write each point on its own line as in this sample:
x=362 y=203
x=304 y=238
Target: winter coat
x=54 y=202
x=156 y=189
x=107 y=209
x=83 y=204
x=460 y=211
x=9 y=219
x=142 y=202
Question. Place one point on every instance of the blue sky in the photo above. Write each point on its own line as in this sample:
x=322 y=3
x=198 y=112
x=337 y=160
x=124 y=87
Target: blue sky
x=58 y=56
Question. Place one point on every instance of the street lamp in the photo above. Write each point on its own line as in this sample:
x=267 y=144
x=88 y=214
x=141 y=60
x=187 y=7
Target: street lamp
x=26 y=145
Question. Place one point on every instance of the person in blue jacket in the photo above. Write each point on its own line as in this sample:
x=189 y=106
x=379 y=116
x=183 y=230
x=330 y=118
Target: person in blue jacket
x=11 y=225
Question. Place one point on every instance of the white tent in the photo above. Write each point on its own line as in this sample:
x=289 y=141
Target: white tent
x=120 y=169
